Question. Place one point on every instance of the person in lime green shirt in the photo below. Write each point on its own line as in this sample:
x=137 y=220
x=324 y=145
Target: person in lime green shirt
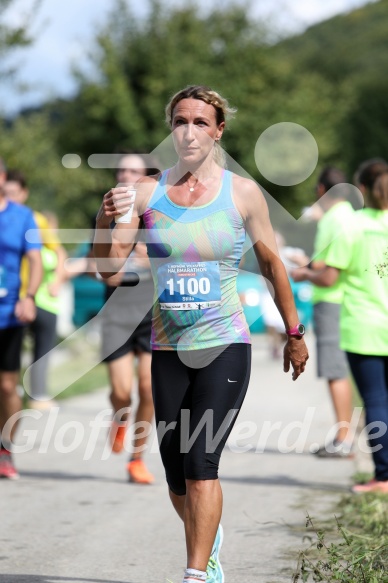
x=331 y=360
x=360 y=258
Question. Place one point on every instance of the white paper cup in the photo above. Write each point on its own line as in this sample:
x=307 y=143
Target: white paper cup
x=127 y=217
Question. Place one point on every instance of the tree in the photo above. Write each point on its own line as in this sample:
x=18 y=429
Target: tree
x=364 y=128
x=139 y=64
x=30 y=145
x=13 y=37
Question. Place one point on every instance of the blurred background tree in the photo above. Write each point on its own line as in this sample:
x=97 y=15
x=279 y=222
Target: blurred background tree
x=13 y=37
x=139 y=64
x=329 y=79
x=30 y=142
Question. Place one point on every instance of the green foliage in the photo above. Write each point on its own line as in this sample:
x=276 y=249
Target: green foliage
x=30 y=145
x=13 y=37
x=329 y=79
x=358 y=551
x=140 y=64
x=350 y=53
x=362 y=131
x=348 y=45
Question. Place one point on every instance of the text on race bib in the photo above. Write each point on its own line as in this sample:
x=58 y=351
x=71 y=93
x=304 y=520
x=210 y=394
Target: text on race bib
x=189 y=286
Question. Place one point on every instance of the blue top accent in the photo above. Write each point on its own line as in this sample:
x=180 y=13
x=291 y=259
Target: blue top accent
x=15 y=221
x=161 y=202
x=194 y=241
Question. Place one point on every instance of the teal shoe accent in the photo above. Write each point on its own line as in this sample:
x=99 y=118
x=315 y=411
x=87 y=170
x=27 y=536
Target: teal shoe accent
x=214 y=570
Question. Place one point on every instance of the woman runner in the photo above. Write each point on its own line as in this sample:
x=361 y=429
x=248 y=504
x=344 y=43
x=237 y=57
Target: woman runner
x=195 y=217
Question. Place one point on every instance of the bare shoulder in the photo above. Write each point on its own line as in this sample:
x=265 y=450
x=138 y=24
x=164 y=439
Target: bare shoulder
x=247 y=196
x=144 y=190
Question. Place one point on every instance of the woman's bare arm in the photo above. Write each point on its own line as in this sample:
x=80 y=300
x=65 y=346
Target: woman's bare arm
x=253 y=208
x=111 y=247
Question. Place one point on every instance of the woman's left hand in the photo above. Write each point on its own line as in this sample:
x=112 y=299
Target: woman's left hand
x=296 y=354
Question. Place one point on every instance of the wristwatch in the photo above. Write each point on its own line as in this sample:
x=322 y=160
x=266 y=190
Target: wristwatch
x=298 y=330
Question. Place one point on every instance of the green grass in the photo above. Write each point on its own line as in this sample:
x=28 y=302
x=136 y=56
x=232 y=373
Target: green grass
x=352 y=546
x=362 y=477
x=78 y=356
x=95 y=379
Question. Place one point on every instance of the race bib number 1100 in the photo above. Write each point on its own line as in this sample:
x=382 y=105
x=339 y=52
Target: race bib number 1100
x=189 y=286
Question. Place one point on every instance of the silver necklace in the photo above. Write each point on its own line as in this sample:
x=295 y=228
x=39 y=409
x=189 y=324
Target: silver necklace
x=191 y=188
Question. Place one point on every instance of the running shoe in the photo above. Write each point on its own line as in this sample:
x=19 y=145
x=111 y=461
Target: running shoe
x=214 y=570
x=117 y=434
x=7 y=468
x=335 y=450
x=371 y=486
x=138 y=472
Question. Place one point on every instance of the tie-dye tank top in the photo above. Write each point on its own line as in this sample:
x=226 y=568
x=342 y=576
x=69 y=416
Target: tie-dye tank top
x=195 y=253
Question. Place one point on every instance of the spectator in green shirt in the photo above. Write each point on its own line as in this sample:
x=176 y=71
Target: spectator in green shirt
x=360 y=258
x=331 y=360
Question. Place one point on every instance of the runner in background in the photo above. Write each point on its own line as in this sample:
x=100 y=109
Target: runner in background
x=126 y=347
x=43 y=328
x=15 y=311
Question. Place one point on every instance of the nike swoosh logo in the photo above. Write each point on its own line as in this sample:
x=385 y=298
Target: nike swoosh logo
x=229 y=381
x=240 y=330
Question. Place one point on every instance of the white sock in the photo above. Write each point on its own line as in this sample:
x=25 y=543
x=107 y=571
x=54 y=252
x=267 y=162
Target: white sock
x=194 y=576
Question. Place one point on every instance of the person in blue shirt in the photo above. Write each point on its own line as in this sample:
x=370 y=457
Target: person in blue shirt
x=15 y=221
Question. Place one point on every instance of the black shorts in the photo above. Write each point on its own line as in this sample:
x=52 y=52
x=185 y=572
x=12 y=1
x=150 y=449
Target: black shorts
x=10 y=348
x=196 y=408
x=126 y=321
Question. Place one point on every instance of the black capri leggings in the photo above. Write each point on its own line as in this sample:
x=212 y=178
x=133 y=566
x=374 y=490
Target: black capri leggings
x=195 y=408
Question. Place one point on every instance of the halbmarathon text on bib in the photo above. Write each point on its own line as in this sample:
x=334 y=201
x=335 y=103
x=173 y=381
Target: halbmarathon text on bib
x=189 y=286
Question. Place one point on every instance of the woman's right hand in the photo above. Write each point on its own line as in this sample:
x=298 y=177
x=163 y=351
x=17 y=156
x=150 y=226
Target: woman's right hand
x=116 y=201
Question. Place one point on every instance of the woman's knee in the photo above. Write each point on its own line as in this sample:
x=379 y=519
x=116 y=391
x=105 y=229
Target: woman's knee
x=177 y=485
x=200 y=465
x=173 y=465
